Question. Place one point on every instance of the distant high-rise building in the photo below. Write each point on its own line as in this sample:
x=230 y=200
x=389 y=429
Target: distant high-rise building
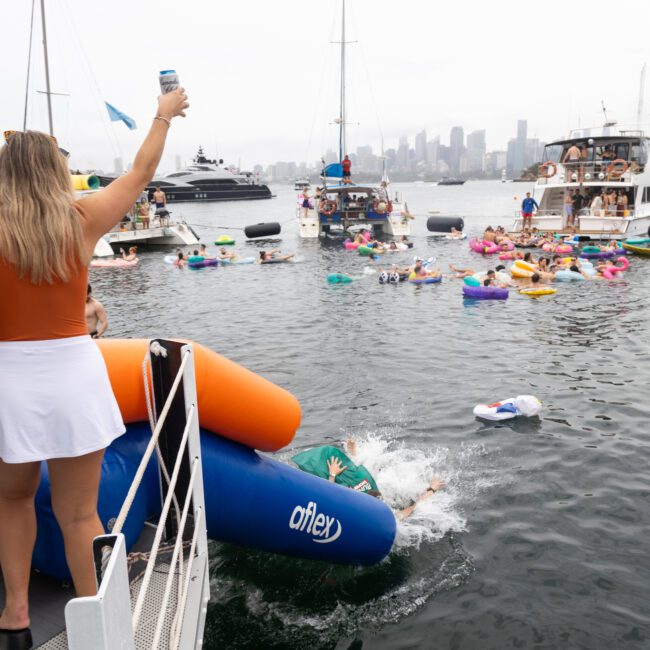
x=421 y=146
x=444 y=154
x=495 y=161
x=517 y=156
x=118 y=166
x=432 y=151
x=178 y=162
x=403 y=153
x=476 y=151
x=331 y=157
x=456 y=148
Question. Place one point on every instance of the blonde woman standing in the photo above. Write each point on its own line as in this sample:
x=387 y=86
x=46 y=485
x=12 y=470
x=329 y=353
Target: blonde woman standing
x=57 y=403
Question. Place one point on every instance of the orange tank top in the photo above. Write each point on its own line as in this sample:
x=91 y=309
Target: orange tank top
x=38 y=312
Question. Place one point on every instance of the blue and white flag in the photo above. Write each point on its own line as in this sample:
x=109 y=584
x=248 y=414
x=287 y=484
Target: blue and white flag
x=117 y=116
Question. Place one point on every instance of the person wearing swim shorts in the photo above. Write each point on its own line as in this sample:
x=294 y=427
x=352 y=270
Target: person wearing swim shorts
x=528 y=205
x=346 y=165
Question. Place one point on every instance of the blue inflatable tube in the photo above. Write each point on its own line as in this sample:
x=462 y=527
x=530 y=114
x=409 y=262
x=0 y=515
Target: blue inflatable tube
x=427 y=280
x=119 y=466
x=250 y=500
x=254 y=501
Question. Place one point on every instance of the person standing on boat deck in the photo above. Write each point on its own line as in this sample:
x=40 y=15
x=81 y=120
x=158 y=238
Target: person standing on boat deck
x=568 y=209
x=527 y=206
x=346 y=164
x=306 y=203
x=571 y=159
x=596 y=206
x=143 y=213
x=57 y=402
x=160 y=199
x=621 y=203
x=96 y=319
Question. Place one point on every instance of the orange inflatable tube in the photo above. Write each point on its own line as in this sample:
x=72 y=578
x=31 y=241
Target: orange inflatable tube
x=233 y=402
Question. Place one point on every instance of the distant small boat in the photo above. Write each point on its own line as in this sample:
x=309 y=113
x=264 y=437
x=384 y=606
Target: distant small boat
x=451 y=181
x=504 y=178
x=301 y=184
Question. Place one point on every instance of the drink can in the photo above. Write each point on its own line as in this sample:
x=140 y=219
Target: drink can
x=168 y=81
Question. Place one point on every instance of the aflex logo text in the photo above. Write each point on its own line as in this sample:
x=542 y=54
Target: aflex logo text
x=318 y=525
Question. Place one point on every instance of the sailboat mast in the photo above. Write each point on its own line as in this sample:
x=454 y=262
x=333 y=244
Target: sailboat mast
x=342 y=138
x=47 y=71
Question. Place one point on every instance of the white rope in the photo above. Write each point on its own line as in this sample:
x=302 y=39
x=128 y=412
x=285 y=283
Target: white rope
x=174 y=560
x=128 y=501
x=163 y=516
x=180 y=610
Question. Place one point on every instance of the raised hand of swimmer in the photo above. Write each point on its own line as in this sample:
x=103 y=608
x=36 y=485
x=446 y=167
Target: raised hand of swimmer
x=335 y=467
x=436 y=484
x=173 y=104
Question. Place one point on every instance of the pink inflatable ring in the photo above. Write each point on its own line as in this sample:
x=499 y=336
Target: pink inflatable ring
x=484 y=247
x=611 y=271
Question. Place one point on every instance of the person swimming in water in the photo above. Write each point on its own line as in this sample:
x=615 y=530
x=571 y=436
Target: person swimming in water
x=342 y=470
x=267 y=257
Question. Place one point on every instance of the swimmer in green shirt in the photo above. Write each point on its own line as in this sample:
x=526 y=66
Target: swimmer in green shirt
x=332 y=463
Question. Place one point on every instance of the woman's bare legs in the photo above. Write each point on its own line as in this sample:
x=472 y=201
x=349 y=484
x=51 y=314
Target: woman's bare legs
x=18 y=485
x=74 y=485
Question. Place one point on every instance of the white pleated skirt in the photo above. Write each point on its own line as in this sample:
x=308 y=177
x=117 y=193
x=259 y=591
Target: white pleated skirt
x=56 y=400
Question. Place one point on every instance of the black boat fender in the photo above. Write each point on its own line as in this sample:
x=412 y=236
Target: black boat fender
x=262 y=230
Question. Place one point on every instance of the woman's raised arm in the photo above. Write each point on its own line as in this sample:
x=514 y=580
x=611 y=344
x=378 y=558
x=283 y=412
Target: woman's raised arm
x=101 y=211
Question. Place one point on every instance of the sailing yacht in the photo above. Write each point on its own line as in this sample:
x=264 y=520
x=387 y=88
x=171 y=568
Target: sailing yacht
x=341 y=205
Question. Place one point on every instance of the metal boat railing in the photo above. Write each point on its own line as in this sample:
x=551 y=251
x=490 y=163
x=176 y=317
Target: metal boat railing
x=590 y=171
x=170 y=597
x=585 y=212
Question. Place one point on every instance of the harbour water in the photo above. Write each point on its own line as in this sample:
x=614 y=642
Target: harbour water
x=540 y=538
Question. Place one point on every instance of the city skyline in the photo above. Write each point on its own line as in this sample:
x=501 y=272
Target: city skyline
x=465 y=155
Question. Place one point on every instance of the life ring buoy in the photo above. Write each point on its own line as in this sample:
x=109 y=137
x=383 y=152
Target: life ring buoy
x=617 y=168
x=379 y=202
x=327 y=207
x=545 y=169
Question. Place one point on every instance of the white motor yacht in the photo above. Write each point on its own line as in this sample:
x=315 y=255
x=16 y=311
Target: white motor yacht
x=612 y=162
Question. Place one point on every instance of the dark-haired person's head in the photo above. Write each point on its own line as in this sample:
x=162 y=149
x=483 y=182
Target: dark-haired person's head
x=262 y=255
x=487 y=282
x=180 y=256
x=89 y=290
x=195 y=252
x=490 y=273
x=500 y=268
x=535 y=277
x=574 y=268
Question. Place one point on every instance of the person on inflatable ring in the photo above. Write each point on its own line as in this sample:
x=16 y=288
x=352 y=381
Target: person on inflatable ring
x=420 y=272
x=341 y=469
x=266 y=257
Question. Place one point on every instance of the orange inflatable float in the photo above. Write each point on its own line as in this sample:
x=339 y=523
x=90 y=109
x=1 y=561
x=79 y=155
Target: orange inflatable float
x=233 y=402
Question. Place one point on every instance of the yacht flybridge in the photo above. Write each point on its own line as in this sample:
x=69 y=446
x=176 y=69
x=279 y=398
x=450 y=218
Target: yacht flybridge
x=340 y=204
x=595 y=182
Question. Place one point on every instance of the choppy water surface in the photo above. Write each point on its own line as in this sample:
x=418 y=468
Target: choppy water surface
x=540 y=539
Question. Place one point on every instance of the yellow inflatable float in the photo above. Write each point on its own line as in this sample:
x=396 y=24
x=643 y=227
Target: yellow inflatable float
x=521 y=269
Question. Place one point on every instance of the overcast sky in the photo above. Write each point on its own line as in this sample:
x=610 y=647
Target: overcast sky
x=263 y=76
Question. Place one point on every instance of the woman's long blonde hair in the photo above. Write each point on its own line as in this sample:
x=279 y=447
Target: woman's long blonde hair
x=40 y=231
